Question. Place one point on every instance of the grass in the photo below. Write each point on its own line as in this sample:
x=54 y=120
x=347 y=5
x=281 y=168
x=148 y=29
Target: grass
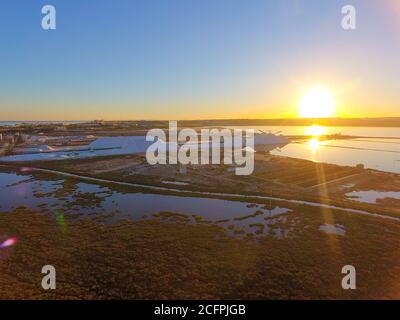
x=170 y=258
x=253 y=215
x=272 y=171
x=152 y=259
x=260 y=227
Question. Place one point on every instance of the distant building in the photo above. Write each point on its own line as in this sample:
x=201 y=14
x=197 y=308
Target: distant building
x=61 y=128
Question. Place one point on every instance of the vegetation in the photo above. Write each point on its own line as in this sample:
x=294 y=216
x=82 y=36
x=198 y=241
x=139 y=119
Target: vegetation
x=300 y=181
x=255 y=214
x=155 y=259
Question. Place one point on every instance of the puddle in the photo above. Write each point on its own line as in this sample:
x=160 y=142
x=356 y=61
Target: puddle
x=259 y=223
x=337 y=229
x=348 y=185
x=372 y=196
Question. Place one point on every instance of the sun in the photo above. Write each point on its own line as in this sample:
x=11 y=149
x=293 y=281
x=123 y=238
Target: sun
x=317 y=103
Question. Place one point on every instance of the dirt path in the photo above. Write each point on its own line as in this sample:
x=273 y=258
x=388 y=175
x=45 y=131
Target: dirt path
x=336 y=180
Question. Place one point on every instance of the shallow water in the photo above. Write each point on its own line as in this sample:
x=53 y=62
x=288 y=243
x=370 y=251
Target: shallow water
x=377 y=155
x=374 y=152
x=350 y=131
x=204 y=194
x=333 y=229
x=371 y=196
x=109 y=145
x=103 y=146
x=18 y=190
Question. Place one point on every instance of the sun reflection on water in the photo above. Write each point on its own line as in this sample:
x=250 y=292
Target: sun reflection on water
x=315 y=130
x=314 y=144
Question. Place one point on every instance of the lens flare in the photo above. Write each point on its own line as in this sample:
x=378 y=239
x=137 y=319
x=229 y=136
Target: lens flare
x=8 y=243
x=60 y=219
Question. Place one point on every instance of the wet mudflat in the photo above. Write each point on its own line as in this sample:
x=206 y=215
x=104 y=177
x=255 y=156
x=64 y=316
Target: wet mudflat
x=103 y=248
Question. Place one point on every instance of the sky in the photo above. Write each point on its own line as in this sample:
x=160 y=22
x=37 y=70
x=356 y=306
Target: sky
x=196 y=59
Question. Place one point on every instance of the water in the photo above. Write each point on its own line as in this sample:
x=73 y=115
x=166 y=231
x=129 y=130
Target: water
x=337 y=229
x=388 y=132
x=371 y=196
x=103 y=146
x=378 y=155
x=110 y=146
x=373 y=152
x=88 y=199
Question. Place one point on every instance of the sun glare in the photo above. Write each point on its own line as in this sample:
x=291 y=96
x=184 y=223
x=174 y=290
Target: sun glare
x=317 y=103
x=315 y=131
x=314 y=144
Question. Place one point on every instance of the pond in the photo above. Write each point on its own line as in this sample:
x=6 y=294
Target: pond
x=375 y=148
x=71 y=197
x=371 y=196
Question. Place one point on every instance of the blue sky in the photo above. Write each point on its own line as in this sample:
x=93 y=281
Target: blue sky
x=180 y=59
